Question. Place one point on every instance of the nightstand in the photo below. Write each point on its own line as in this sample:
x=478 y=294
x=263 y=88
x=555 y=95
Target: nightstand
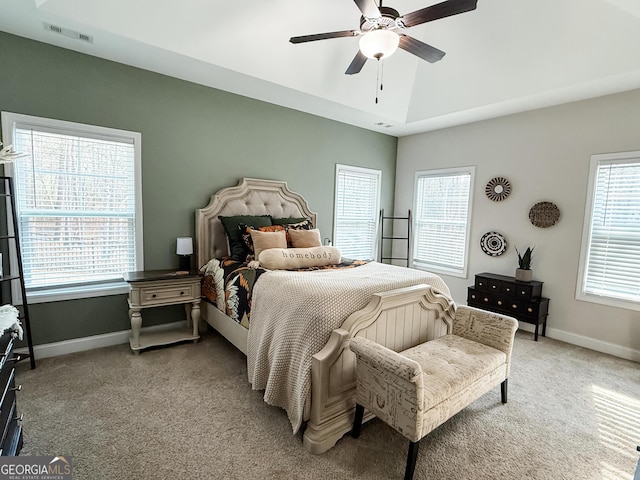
x=159 y=288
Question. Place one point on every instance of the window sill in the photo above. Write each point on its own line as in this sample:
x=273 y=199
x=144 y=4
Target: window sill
x=440 y=270
x=75 y=293
x=609 y=301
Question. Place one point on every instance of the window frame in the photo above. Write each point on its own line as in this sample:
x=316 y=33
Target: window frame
x=421 y=265
x=587 y=227
x=367 y=171
x=98 y=289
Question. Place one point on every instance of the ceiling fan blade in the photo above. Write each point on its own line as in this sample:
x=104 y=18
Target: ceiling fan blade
x=420 y=49
x=440 y=10
x=356 y=64
x=368 y=8
x=324 y=36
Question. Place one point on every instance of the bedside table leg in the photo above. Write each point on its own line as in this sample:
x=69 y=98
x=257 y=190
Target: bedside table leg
x=187 y=309
x=195 y=317
x=136 y=324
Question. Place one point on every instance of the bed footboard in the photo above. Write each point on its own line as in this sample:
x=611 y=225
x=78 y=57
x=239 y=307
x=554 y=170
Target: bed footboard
x=398 y=319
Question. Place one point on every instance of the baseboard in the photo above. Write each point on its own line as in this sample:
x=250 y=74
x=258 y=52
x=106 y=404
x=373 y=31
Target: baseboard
x=96 y=341
x=586 y=342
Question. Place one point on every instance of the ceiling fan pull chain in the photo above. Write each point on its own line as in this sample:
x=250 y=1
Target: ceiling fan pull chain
x=378 y=81
x=381 y=74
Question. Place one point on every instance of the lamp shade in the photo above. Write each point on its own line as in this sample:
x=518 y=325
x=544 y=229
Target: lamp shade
x=379 y=43
x=184 y=246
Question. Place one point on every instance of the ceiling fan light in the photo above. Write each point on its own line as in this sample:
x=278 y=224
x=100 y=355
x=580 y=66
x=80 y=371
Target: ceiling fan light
x=379 y=43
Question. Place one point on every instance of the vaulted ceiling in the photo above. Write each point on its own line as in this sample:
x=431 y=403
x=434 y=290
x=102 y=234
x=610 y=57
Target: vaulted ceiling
x=504 y=57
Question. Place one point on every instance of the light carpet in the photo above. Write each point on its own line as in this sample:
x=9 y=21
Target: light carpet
x=187 y=411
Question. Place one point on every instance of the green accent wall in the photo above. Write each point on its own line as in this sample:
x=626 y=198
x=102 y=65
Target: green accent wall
x=195 y=140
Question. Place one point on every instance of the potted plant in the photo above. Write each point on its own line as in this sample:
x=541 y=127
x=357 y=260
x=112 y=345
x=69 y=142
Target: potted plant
x=524 y=273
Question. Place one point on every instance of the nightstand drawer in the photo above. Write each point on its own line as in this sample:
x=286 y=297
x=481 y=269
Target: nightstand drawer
x=156 y=295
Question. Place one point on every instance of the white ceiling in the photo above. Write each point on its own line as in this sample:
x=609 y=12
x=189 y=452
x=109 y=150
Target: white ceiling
x=504 y=57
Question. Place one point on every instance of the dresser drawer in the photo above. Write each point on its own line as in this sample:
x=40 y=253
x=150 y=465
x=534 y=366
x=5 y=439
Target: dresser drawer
x=528 y=290
x=482 y=283
x=155 y=295
x=8 y=405
x=536 y=308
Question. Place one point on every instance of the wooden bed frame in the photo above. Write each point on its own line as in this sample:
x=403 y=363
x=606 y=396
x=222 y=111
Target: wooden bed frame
x=399 y=318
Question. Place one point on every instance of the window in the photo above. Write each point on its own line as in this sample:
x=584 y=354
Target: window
x=609 y=270
x=78 y=205
x=357 y=210
x=442 y=218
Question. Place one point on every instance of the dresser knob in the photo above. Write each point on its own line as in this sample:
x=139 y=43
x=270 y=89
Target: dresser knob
x=493 y=286
x=499 y=302
x=529 y=309
x=181 y=293
x=17 y=389
x=153 y=296
x=508 y=289
x=480 y=283
x=514 y=306
x=473 y=296
x=485 y=299
x=523 y=292
x=19 y=419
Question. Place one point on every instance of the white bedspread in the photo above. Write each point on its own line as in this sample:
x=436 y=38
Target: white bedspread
x=293 y=315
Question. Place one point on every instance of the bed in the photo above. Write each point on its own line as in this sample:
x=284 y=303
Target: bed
x=395 y=306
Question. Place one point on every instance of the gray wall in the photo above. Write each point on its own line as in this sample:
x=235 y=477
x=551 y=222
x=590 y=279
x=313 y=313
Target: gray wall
x=545 y=154
x=195 y=140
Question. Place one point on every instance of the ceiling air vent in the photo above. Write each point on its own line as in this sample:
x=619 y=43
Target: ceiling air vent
x=67 y=32
x=382 y=124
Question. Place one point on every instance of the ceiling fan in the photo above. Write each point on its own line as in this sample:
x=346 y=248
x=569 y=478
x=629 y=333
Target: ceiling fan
x=381 y=31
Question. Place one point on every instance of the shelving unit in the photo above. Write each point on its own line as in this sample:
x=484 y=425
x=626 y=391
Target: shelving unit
x=10 y=246
x=394 y=236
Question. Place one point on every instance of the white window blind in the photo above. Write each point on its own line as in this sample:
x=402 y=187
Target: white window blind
x=442 y=215
x=78 y=215
x=357 y=211
x=610 y=263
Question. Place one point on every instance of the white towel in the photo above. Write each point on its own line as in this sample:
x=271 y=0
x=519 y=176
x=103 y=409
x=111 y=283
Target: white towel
x=9 y=319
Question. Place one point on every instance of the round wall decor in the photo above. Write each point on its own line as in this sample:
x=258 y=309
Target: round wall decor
x=498 y=189
x=544 y=214
x=493 y=244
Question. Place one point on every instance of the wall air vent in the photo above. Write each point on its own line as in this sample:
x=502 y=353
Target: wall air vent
x=67 y=32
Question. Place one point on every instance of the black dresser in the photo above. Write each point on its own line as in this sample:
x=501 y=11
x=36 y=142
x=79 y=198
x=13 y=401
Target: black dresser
x=10 y=421
x=502 y=294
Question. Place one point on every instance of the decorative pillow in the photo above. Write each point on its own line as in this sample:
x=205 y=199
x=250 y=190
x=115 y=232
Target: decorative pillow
x=305 y=238
x=290 y=258
x=305 y=224
x=245 y=233
x=265 y=240
x=237 y=250
x=288 y=221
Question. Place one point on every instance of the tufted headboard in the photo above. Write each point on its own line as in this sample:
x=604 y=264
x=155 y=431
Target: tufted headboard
x=250 y=197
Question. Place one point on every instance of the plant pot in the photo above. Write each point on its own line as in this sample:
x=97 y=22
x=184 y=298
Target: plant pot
x=524 y=275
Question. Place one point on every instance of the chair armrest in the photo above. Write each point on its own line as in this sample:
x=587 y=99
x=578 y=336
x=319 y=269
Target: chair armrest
x=386 y=360
x=492 y=329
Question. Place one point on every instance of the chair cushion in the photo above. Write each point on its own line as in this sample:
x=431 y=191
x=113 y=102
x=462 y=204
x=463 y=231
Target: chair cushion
x=451 y=363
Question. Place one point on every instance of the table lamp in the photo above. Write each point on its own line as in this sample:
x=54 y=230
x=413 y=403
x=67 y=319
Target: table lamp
x=184 y=250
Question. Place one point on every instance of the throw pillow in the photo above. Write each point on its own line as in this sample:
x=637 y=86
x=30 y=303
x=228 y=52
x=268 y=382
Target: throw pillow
x=292 y=258
x=237 y=250
x=266 y=240
x=305 y=238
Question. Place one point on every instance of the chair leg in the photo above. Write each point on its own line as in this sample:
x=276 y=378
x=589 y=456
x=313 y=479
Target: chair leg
x=357 y=421
x=503 y=391
x=411 y=460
